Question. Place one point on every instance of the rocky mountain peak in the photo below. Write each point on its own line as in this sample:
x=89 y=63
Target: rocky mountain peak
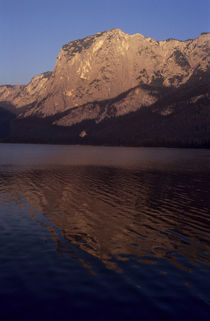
x=108 y=64
x=115 y=88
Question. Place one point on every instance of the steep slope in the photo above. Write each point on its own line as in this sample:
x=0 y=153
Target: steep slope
x=107 y=64
x=108 y=76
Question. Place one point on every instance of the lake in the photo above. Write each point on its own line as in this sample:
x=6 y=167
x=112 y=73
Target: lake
x=104 y=233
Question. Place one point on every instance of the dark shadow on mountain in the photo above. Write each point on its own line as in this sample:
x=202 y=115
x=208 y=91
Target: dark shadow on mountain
x=179 y=118
x=6 y=118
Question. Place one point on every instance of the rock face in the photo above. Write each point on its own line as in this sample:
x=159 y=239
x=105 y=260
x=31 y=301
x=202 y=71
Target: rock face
x=113 y=74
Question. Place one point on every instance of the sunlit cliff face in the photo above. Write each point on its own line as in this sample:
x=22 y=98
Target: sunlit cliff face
x=112 y=213
x=107 y=64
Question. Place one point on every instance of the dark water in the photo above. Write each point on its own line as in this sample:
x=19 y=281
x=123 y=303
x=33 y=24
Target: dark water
x=100 y=233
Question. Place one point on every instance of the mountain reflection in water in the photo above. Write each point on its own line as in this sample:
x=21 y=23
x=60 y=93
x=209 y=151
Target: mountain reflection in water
x=113 y=212
x=99 y=233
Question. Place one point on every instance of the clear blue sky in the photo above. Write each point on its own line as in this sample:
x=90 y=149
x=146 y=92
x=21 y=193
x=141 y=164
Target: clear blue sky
x=33 y=31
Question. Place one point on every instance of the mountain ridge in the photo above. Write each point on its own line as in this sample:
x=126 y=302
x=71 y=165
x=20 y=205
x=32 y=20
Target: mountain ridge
x=110 y=75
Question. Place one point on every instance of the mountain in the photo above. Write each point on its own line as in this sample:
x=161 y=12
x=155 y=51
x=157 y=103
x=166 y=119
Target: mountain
x=118 y=89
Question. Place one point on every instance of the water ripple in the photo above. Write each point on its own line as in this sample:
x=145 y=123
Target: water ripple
x=123 y=216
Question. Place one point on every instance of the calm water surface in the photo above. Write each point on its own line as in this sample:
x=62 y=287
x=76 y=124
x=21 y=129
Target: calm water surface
x=101 y=233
